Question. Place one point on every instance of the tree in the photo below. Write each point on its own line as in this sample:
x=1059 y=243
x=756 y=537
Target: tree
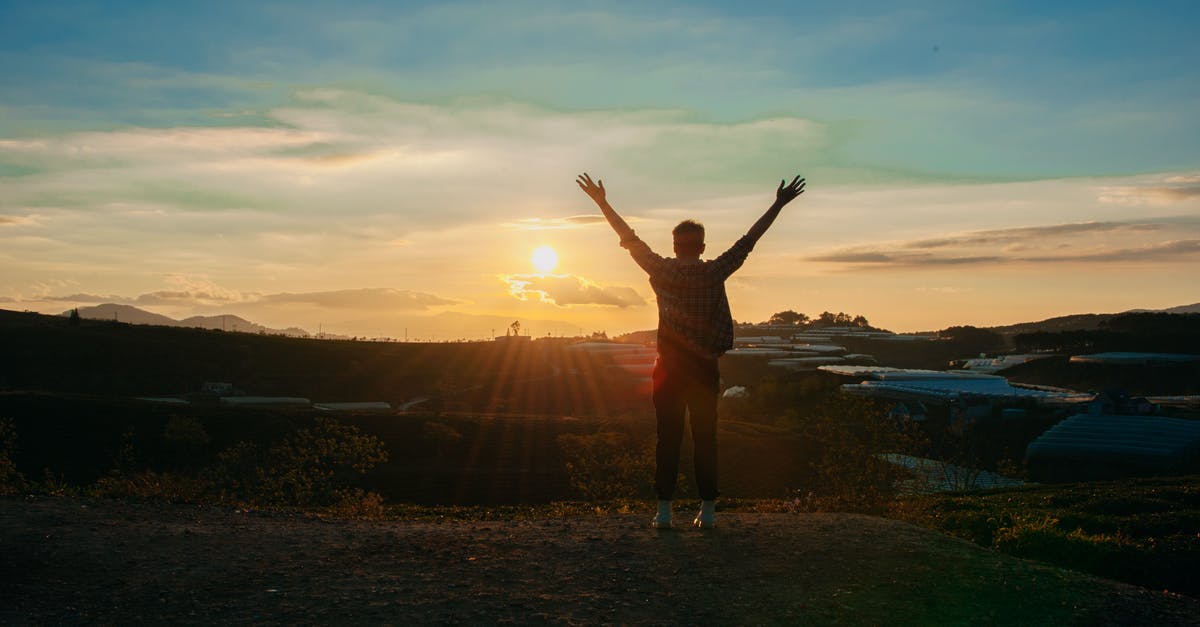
x=969 y=339
x=860 y=321
x=788 y=318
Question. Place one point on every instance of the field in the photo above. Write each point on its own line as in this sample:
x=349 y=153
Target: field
x=531 y=431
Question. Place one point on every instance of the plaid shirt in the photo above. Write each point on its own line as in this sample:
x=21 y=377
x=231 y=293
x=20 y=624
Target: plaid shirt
x=693 y=311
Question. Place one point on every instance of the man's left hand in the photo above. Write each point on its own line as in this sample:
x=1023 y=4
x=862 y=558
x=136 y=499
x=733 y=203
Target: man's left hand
x=788 y=193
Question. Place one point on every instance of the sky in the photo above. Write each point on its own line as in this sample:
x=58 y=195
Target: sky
x=388 y=169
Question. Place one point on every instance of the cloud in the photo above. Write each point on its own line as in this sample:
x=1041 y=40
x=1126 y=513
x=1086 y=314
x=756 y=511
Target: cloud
x=1084 y=242
x=1166 y=190
x=892 y=258
x=1165 y=251
x=88 y=298
x=379 y=298
x=542 y=224
x=1028 y=233
x=169 y=297
x=565 y=290
x=363 y=154
x=15 y=220
x=209 y=295
x=943 y=290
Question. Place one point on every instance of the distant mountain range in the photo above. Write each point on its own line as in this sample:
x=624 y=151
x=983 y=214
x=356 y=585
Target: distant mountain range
x=225 y=322
x=454 y=320
x=446 y=325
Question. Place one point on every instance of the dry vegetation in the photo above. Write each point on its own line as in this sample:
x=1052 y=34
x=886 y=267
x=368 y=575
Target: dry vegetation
x=531 y=432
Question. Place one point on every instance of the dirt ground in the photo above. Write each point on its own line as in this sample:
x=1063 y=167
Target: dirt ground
x=83 y=561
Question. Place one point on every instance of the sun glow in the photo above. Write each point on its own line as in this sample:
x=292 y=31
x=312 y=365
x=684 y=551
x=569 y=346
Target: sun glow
x=544 y=259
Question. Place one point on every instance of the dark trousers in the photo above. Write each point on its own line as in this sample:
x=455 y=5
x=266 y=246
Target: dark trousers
x=686 y=383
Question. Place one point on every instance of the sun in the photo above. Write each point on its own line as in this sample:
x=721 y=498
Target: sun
x=544 y=259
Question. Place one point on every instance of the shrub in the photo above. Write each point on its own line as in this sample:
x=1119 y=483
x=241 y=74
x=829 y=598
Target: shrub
x=608 y=465
x=170 y=487
x=185 y=440
x=310 y=467
x=849 y=471
x=11 y=480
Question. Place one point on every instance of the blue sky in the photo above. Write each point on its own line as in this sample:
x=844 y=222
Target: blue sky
x=391 y=133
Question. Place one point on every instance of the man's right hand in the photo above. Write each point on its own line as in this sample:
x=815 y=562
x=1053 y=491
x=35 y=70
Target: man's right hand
x=594 y=190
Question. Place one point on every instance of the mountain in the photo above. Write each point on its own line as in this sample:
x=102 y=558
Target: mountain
x=1084 y=322
x=1074 y=322
x=228 y=322
x=445 y=326
x=124 y=313
x=133 y=315
x=1182 y=309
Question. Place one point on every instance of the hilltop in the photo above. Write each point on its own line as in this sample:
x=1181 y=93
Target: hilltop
x=225 y=322
x=230 y=322
x=71 y=561
x=1084 y=322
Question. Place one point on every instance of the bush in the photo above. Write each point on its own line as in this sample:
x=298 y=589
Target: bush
x=310 y=467
x=849 y=472
x=608 y=465
x=11 y=480
x=170 y=487
x=185 y=441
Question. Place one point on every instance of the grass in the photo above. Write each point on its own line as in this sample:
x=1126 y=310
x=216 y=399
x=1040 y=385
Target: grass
x=1142 y=531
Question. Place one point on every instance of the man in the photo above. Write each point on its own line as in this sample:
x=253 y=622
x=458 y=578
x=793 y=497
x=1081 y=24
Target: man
x=694 y=329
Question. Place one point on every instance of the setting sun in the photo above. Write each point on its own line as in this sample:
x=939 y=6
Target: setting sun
x=544 y=259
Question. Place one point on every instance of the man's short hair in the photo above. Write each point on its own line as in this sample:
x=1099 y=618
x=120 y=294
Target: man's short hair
x=688 y=227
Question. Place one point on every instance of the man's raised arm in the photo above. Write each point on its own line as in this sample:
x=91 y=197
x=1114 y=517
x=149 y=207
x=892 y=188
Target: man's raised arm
x=596 y=192
x=784 y=195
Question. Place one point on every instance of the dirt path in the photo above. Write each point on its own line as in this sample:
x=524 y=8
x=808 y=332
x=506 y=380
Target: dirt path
x=79 y=561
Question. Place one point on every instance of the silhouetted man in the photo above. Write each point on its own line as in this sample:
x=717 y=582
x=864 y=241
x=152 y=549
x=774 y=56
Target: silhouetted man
x=694 y=329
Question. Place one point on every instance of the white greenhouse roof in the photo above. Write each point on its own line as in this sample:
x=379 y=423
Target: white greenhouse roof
x=1135 y=358
x=935 y=385
x=266 y=401
x=354 y=406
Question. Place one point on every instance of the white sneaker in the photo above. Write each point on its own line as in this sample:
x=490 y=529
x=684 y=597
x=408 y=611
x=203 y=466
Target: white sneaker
x=662 y=520
x=706 y=518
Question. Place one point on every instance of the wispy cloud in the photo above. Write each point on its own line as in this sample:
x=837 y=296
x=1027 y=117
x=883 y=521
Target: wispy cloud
x=375 y=299
x=544 y=224
x=328 y=147
x=1170 y=190
x=1177 y=251
x=365 y=298
x=881 y=258
x=566 y=290
x=1027 y=234
x=1048 y=244
x=16 y=220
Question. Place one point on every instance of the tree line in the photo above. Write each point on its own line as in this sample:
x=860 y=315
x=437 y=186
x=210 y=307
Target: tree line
x=825 y=319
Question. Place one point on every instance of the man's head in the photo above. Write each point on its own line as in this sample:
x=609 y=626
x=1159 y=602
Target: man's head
x=689 y=239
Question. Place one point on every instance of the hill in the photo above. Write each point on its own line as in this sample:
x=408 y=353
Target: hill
x=1084 y=322
x=69 y=561
x=106 y=357
x=225 y=322
x=1075 y=322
